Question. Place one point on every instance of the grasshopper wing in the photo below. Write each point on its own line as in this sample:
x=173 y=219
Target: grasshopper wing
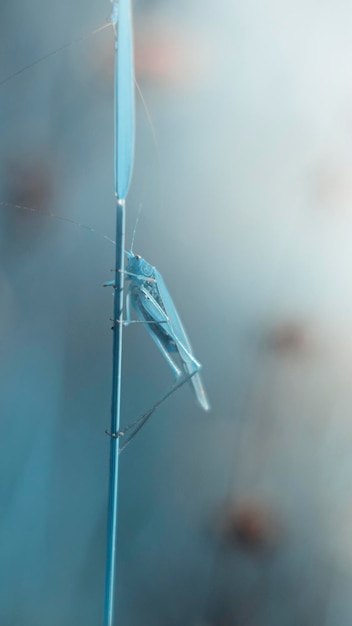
x=183 y=346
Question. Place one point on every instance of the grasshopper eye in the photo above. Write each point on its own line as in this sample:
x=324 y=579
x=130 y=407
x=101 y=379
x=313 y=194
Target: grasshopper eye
x=137 y=256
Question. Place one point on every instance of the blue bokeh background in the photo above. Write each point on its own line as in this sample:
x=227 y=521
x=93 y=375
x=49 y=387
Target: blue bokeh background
x=247 y=214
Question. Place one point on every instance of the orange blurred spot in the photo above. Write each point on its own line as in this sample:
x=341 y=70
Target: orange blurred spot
x=250 y=525
x=289 y=337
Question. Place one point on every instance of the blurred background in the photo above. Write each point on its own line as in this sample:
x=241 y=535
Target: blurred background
x=239 y=517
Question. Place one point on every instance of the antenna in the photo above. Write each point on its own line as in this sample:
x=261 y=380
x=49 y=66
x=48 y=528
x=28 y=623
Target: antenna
x=136 y=224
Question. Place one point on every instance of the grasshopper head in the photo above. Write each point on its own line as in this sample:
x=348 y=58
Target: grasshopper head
x=139 y=266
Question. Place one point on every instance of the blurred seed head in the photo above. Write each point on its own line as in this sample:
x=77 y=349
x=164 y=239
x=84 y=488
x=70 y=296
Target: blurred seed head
x=250 y=525
x=28 y=184
x=165 y=55
x=290 y=337
x=28 y=188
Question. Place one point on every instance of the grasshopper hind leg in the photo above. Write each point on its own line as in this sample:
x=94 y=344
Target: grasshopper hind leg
x=178 y=373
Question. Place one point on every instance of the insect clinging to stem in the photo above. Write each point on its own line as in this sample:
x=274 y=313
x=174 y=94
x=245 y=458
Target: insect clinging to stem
x=151 y=301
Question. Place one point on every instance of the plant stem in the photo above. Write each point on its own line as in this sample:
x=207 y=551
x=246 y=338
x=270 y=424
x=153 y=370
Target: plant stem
x=124 y=132
x=111 y=558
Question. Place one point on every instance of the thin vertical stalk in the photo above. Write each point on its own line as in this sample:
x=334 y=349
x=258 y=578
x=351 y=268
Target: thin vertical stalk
x=124 y=116
x=111 y=556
